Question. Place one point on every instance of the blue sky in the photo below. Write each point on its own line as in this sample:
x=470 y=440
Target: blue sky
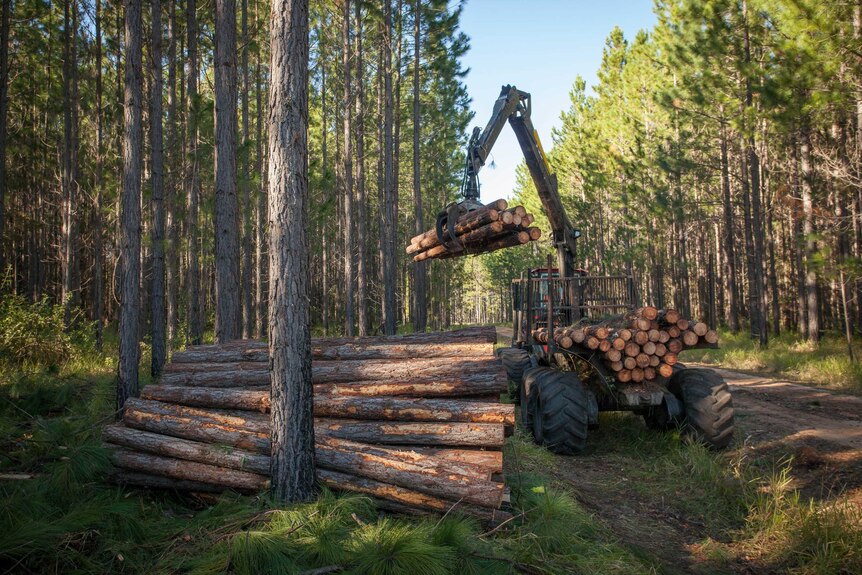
x=540 y=46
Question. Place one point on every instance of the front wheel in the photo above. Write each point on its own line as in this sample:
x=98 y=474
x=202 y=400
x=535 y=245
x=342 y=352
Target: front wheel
x=707 y=406
x=561 y=412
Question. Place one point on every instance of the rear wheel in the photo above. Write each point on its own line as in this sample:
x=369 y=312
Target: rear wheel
x=561 y=412
x=707 y=406
x=516 y=361
x=527 y=395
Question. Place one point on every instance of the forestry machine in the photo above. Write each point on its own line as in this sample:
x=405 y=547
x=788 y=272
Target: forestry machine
x=562 y=390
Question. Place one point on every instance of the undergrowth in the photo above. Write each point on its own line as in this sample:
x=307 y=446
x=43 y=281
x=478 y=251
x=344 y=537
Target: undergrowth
x=826 y=364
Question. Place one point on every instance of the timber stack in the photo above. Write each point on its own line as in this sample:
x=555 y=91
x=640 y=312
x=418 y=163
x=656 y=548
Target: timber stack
x=488 y=229
x=413 y=421
x=639 y=346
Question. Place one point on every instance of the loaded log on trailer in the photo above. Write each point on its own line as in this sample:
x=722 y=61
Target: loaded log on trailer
x=413 y=421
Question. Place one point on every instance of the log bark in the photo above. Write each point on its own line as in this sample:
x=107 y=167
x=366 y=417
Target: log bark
x=326 y=371
x=188 y=470
x=352 y=407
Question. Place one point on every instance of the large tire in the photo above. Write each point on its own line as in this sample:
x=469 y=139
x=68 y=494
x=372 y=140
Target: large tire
x=527 y=396
x=657 y=417
x=516 y=361
x=561 y=412
x=707 y=404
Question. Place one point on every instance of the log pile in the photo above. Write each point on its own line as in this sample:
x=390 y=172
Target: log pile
x=491 y=228
x=639 y=346
x=412 y=421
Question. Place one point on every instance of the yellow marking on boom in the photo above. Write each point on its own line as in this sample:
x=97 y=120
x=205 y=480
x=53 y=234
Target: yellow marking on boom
x=542 y=151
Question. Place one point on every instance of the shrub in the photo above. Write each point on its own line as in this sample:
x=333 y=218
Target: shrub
x=35 y=333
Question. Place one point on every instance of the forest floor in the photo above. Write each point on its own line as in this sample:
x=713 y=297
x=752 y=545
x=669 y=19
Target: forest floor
x=694 y=512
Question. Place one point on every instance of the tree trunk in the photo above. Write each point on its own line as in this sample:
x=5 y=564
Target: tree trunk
x=172 y=189
x=420 y=305
x=71 y=287
x=808 y=228
x=389 y=221
x=260 y=240
x=347 y=168
x=728 y=238
x=193 y=287
x=5 y=17
x=127 y=384
x=228 y=317
x=157 y=293
x=98 y=240
x=360 y=232
x=289 y=323
x=247 y=265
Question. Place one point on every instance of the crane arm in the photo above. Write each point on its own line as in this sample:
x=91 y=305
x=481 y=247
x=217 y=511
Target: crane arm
x=513 y=106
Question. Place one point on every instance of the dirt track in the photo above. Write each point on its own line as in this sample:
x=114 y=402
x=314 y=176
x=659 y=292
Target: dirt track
x=776 y=420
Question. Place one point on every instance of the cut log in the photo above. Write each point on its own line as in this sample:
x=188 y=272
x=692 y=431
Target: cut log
x=642 y=360
x=604 y=345
x=711 y=337
x=624 y=376
x=653 y=335
x=665 y=370
x=188 y=470
x=630 y=363
x=632 y=349
x=411 y=433
x=613 y=355
x=674 y=346
x=618 y=343
x=660 y=349
x=647 y=312
x=670 y=358
x=640 y=337
x=689 y=338
x=637 y=375
x=649 y=348
x=257 y=374
x=477 y=384
x=372 y=408
x=185 y=449
x=414 y=501
x=668 y=316
x=467 y=222
x=700 y=329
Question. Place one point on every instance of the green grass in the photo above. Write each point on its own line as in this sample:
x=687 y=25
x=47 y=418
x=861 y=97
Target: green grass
x=827 y=364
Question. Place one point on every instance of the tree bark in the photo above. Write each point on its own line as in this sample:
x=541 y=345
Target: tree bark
x=127 y=372
x=420 y=305
x=808 y=228
x=98 y=239
x=5 y=17
x=389 y=221
x=228 y=317
x=71 y=273
x=248 y=269
x=728 y=238
x=347 y=169
x=359 y=127
x=193 y=287
x=289 y=338
x=157 y=293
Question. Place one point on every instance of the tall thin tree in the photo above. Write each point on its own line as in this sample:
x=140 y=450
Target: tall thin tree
x=389 y=223
x=292 y=461
x=157 y=293
x=193 y=284
x=228 y=316
x=347 y=169
x=130 y=214
x=4 y=106
x=420 y=307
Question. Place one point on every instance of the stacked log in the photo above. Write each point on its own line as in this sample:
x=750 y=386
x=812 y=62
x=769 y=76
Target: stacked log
x=640 y=346
x=402 y=419
x=490 y=228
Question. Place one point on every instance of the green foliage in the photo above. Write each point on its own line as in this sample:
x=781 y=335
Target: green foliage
x=389 y=547
x=826 y=364
x=35 y=333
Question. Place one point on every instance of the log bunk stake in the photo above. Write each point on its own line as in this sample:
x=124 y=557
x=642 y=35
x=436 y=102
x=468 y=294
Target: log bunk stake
x=639 y=346
x=402 y=419
x=490 y=228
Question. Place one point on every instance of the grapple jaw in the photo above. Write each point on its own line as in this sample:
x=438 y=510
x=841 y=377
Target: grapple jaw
x=447 y=220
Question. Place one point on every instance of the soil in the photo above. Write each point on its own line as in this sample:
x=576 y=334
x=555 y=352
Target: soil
x=817 y=430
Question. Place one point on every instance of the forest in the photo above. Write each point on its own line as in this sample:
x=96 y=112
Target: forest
x=217 y=356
